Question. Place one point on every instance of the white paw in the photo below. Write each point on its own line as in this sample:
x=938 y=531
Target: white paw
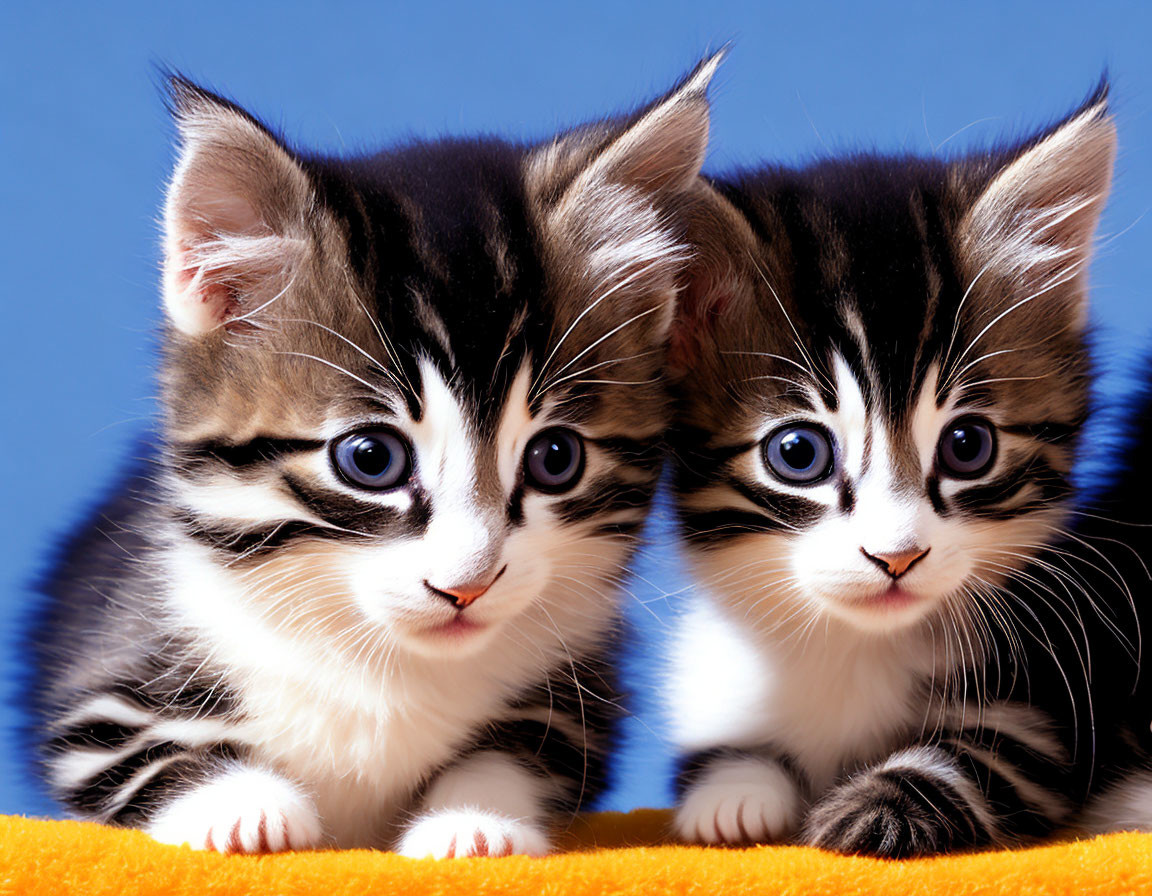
x=242 y=811
x=740 y=801
x=456 y=833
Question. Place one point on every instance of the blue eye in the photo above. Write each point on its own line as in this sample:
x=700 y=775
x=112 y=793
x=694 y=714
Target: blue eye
x=554 y=461
x=376 y=460
x=800 y=454
x=967 y=447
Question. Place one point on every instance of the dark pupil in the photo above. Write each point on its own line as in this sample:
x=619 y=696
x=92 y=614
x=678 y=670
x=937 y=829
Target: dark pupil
x=372 y=457
x=557 y=457
x=966 y=444
x=797 y=451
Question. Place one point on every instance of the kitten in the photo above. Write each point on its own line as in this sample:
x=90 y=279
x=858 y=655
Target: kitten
x=366 y=591
x=1109 y=556
x=883 y=372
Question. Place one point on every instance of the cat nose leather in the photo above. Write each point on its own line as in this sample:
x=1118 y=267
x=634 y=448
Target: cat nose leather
x=463 y=594
x=896 y=563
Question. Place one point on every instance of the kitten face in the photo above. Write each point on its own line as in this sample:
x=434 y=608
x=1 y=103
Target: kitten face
x=882 y=382
x=887 y=531
x=411 y=396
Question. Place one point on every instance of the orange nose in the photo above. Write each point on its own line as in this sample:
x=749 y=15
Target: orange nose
x=465 y=593
x=896 y=563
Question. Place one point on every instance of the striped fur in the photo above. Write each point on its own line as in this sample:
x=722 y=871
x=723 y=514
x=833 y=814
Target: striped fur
x=247 y=651
x=1109 y=550
x=871 y=665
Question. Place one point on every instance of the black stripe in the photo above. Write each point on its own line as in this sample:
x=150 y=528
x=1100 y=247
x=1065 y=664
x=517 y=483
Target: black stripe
x=516 y=505
x=698 y=465
x=605 y=496
x=260 y=450
x=1047 y=773
x=847 y=496
x=93 y=795
x=981 y=500
x=934 y=496
x=647 y=454
x=1052 y=432
x=629 y=529
x=1020 y=817
x=792 y=509
x=346 y=512
x=935 y=796
x=109 y=735
x=175 y=779
x=175 y=691
x=254 y=543
x=1041 y=767
x=713 y=527
x=546 y=746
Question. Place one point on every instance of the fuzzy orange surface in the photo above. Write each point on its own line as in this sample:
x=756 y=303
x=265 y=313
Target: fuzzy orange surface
x=605 y=857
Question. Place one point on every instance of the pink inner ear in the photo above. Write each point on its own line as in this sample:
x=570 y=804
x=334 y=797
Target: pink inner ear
x=702 y=301
x=228 y=213
x=208 y=297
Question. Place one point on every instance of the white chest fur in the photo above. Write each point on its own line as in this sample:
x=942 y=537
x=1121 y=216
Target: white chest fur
x=361 y=733
x=829 y=697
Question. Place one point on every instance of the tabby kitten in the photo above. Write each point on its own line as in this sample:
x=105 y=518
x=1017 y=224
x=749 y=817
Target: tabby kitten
x=883 y=372
x=366 y=591
x=1108 y=555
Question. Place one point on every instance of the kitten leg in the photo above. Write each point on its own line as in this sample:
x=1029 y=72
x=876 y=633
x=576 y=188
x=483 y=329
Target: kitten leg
x=933 y=799
x=240 y=810
x=1125 y=806
x=487 y=804
x=918 y=802
x=120 y=762
x=733 y=797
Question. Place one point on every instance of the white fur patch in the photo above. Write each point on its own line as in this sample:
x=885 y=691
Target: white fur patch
x=740 y=800
x=489 y=781
x=242 y=811
x=108 y=708
x=715 y=658
x=815 y=687
x=72 y=769
x=486 y=805
x=1126 y=806
x=461 y=833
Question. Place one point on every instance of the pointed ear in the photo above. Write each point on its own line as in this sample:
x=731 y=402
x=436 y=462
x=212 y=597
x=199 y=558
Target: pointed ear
x=1035 y=221
x=664 y=146
x=234 y=217
x=611 y=196
x=719 y=280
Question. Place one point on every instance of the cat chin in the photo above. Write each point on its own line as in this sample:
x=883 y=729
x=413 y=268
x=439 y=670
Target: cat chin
x=453 y=640
x=885 y=613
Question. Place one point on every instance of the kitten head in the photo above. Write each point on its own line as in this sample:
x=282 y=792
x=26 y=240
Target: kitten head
x=882 y=371
x=418 y=393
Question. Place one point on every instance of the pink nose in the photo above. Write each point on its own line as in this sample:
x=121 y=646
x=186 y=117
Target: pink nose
x=896 y=563
x=465 y=593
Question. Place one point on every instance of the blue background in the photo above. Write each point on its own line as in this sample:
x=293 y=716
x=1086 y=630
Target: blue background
x=84 y=151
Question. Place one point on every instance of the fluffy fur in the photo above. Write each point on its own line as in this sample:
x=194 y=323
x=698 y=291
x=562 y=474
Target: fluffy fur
x=246 y=650
x=1109 y=551
x=882 y=657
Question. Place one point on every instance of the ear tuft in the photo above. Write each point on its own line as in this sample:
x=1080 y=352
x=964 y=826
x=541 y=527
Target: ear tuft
x=1035 y=221
x=663 y=148
x=616 y=221
x=234 y=217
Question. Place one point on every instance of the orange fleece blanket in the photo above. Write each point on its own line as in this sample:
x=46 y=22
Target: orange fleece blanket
x=608 y=854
